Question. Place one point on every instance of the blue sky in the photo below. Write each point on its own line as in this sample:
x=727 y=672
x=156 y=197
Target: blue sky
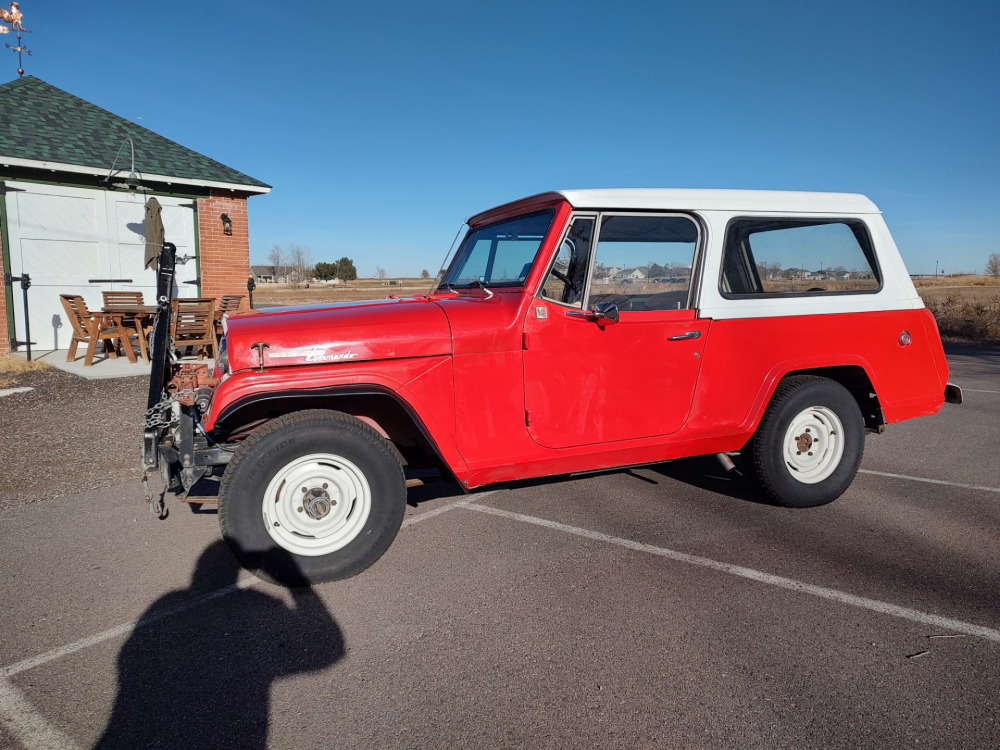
x=383 y=125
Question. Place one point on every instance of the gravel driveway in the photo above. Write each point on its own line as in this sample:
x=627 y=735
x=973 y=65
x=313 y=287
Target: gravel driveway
x=68 y=435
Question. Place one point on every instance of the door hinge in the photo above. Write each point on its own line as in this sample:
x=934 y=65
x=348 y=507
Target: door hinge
x=527 y=417
x=524 y=342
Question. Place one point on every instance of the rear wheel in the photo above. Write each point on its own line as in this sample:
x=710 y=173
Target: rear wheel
x=311 y=496
x=808 y=447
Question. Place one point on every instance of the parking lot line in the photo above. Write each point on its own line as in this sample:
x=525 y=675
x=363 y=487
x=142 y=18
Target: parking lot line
x=924 y=618
x=929 y=481
x=443 y=509
x=126 y=628
x=35 y=732
x=30 y=728
x=92 y=640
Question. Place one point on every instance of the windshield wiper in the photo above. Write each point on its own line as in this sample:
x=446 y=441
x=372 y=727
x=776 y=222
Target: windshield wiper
x=482 y=285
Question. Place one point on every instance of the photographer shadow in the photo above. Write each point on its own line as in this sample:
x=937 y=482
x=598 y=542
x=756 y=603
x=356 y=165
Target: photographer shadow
x=198 y=668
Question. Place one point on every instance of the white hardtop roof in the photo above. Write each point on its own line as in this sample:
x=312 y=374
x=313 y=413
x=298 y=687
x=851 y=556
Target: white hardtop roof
x=719 y=200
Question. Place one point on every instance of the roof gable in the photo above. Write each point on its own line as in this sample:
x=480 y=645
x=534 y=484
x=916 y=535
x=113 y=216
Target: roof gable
x=41 y=123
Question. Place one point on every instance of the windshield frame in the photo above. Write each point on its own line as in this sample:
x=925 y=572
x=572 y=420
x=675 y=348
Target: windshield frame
x=451 y=279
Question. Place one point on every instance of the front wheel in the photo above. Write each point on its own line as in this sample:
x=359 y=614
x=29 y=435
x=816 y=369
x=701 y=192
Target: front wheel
x=311 y=496
x=808 y=447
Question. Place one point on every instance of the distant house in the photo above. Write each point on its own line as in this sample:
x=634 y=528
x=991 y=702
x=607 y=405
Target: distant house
x=631 y=273
x=263 y=274
x=74 y=182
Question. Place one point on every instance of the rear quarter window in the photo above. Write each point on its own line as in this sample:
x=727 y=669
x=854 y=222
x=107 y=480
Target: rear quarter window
x=768 y=257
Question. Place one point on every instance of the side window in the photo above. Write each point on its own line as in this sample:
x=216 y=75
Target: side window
x=786 y=256
x=644 y=262
x=568 y=278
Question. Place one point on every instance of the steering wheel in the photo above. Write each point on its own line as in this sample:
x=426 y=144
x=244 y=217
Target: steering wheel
x=563 y=278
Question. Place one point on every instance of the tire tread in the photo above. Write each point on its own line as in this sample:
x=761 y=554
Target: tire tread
x=243 y=454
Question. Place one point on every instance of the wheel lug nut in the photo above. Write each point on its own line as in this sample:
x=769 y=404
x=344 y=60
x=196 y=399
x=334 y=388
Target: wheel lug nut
x=301 y=509
x=325 y=485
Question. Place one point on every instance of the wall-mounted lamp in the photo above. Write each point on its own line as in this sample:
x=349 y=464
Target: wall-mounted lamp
x=227 y=224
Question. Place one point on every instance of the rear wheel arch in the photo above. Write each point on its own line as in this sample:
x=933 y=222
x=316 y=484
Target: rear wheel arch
x=855 y=379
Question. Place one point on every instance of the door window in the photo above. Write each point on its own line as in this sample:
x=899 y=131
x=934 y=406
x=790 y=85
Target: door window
x=644 y=262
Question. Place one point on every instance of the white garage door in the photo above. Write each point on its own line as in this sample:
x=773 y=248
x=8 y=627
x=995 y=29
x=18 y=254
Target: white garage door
x=82 y=241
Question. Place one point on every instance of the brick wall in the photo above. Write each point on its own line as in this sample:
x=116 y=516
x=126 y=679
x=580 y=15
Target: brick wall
x=225 y=259
x=4 y=333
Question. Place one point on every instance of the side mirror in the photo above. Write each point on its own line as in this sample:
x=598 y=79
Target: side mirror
x=606 y=313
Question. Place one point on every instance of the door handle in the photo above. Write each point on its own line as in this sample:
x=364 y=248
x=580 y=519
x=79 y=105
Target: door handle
x=686 y=336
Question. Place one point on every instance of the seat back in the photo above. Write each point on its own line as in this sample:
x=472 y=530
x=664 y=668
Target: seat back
x=77 y=312
x=230 y=303
x=193 y=321
x=122 y=298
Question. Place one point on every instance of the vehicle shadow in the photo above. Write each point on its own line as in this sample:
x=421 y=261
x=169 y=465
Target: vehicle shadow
x=204 y=494
x=707 y=473
x=197 y=670
x=703 y=472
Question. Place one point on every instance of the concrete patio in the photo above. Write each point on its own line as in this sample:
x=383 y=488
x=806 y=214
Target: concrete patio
x=103 y=366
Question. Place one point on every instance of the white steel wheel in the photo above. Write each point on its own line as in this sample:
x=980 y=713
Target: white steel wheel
x=813 y=444
x=809 y=443
x=317 y=504
x=311 y=496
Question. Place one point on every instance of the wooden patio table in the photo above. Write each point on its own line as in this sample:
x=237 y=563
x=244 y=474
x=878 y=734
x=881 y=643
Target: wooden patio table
x=142 y=315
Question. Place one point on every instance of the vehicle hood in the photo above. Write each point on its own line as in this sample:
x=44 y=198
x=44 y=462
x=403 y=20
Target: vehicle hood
x=338 y=332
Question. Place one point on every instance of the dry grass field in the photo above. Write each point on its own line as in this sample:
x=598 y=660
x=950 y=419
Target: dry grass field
x=971 y=288
x=283 y=294
x=966 y=307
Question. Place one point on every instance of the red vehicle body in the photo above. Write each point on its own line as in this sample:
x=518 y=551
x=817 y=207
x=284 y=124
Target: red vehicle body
x=498 y=376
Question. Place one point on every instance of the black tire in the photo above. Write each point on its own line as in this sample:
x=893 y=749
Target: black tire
x=815 y=475
x=345 y=468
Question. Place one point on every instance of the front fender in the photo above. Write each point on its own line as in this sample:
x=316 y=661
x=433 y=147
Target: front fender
x=415 y=384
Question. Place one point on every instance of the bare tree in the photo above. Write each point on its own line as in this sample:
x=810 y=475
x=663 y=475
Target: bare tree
x=993 y=265
x=380 y=272
x=277 y=260
x=300 y=264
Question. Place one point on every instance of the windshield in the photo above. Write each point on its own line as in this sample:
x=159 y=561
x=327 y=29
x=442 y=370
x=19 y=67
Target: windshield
x=499 y=254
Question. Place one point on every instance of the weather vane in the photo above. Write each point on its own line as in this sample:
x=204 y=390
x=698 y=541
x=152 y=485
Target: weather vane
x=13 y=17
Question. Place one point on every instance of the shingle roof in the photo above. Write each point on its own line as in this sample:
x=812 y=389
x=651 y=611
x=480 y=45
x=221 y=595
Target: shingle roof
x=39 y=122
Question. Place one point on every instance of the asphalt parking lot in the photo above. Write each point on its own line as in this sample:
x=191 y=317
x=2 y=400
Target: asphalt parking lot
x=659 y=607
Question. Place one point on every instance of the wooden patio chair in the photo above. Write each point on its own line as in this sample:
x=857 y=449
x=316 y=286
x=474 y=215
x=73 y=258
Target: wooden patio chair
x=91 y=329
x=194 y=325
x=122 y=298
x=229 y=303
x=130 y=299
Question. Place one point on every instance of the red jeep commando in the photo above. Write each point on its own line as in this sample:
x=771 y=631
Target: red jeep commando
x=572 y=331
